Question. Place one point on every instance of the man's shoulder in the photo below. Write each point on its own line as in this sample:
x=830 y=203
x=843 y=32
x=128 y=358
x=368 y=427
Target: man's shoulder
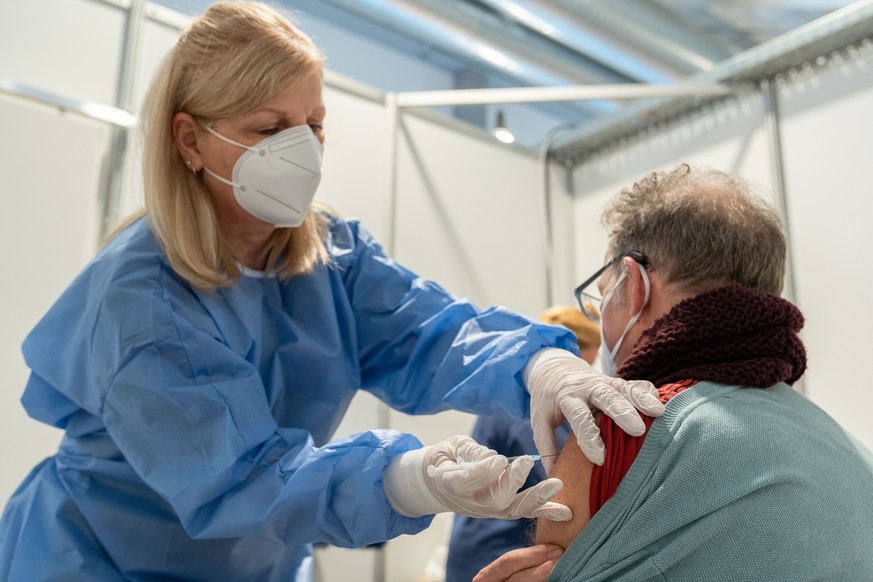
x=732 y=422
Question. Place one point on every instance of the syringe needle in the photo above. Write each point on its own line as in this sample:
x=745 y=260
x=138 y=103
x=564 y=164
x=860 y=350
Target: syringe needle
x=532 y=457
x=462 y=465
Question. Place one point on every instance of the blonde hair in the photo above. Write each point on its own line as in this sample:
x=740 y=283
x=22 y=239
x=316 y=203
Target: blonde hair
x=587 y=332
x=234 y=58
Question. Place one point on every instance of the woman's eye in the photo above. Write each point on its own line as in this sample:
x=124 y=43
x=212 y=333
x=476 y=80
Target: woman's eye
x=268 y=131
x=316 y=127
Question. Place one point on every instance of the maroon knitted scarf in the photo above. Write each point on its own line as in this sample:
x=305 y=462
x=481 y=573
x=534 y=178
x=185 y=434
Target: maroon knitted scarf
x=730 y=335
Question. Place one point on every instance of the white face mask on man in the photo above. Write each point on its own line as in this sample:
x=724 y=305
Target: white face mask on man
x=607 y=356
x=276 y=179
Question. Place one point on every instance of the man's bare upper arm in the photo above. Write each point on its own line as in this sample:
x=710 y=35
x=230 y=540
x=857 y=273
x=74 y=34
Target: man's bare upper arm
x=574 y=469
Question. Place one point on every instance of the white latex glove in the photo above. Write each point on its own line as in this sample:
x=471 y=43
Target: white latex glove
x=562 y=385
x=489 y=488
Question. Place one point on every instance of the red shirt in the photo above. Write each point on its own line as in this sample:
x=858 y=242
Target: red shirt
x=622 y=449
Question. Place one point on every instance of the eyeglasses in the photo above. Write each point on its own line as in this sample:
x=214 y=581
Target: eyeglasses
x=590 y=299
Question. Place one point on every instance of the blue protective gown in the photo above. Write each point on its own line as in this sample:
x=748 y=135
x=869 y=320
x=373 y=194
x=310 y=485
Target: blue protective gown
x=198 y=424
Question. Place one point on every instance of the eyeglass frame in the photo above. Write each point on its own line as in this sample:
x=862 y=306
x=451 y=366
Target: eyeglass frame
x=637 y=256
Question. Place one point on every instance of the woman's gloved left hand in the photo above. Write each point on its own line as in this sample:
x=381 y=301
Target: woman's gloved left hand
x=562 y=385
x=487 y=487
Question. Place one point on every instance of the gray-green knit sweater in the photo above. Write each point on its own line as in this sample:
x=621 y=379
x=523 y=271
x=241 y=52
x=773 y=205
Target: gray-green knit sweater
x=735 y=484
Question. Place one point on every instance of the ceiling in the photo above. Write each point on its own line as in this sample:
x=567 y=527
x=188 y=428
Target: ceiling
x=550 y=43
x=569 y=42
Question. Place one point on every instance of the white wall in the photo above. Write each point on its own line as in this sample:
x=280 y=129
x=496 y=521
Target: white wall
x=40 y=48
x=467 y=216
x=729 y=137
x=51 y=168
x=828 y=141
x=826 y=133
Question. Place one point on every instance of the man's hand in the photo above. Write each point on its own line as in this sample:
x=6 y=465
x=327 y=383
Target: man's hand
x=532 y=564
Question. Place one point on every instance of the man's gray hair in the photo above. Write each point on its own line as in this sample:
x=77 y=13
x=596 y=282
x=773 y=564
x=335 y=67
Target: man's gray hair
x=701 y=229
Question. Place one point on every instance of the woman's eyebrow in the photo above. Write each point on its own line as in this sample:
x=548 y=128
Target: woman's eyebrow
x=273 y=110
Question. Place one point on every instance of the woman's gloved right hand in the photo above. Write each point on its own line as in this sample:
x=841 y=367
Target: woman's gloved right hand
x=487 y=488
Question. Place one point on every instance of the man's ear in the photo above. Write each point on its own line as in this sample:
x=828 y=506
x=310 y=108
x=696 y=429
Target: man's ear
x=636 y=286
x=185 y=135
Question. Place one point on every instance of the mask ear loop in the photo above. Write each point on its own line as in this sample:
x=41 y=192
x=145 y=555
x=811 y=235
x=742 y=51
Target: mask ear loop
x=636 y=317
x=231 y=142
x=228 y=140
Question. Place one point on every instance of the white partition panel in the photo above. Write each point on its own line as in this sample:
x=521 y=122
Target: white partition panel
x=52 y=170
x=51 y=175
x=355 y=167
x=156 y=40
x=468 y=217
x=828 y=142
x=354 y=183
x=67 y=47
x=728 y=137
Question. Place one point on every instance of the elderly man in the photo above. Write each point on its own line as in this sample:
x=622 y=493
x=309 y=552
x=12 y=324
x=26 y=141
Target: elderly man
x=742 y=478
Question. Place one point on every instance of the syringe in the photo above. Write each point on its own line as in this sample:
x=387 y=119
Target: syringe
x=463 y=465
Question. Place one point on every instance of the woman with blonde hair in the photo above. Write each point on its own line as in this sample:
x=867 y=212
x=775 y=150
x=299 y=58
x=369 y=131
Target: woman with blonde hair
x=201 y=362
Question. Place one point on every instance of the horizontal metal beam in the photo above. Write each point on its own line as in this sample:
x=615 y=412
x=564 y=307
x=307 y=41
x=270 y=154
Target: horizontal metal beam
x=830 y=33
x=546 y=94
x=123 y=118
x=352 y=87
x=88 y=109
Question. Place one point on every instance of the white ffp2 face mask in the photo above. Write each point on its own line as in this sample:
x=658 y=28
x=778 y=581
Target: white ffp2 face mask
x=607 y=356
x=276 y=179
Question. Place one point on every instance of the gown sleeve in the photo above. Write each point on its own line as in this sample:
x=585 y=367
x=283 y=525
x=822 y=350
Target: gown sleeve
x=192 y=418
x=422 y=350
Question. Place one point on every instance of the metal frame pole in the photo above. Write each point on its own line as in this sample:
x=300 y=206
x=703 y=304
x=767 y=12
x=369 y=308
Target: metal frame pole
x=86 y=109
x=394 y=113
x=547 y=210
x=571 y=93
x=383 y=419
x=113 y=179
x=772 y=125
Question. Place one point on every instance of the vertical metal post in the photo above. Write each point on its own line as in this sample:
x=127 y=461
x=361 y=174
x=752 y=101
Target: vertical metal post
x=548 y=235
x=393 y=111
x=111 y=191
x=774 y=139
x=382 y=412
x=548 y=225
